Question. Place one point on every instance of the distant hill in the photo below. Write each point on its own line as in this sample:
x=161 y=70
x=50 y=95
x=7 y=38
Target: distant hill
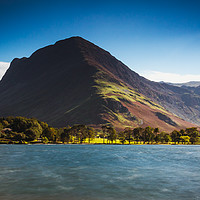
x=188 y=84
x=75 y=81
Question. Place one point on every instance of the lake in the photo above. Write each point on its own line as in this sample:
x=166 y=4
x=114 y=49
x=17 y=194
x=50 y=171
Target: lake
x=99 y=172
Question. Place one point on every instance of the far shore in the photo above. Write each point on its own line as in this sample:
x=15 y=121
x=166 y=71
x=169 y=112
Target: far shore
x=169 y=144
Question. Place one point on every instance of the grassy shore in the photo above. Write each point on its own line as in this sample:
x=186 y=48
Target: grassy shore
x=96 y=141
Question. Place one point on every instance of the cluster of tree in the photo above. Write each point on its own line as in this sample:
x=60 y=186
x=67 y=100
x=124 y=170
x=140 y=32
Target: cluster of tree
x=22 y=129
x=29 y=130
x=151 y=135
x=185 y=136
x=77 y=134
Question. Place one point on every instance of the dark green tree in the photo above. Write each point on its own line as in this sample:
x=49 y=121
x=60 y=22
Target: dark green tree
x=128 y=134
x=122 y=137
x=30 y=134
x=137 y=134
x=90 y=133
x=175 y=135
x=66 y=135
x=49 y=133
x=193 y=133
x=148 y=135
x=112 y=134
x=104 y=132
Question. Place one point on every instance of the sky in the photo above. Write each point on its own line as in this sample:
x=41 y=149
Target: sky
x=159 y=39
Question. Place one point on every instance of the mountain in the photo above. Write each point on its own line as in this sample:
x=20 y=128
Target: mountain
x=75 y=81
x=188 y=84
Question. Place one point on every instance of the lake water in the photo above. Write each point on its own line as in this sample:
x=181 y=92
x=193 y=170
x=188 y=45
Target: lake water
x=99 y=172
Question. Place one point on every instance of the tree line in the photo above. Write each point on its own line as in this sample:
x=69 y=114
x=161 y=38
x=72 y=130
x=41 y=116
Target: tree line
x=151 y=135
x=25 y=130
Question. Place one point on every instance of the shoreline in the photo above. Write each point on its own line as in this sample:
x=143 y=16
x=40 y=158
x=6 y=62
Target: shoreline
x=100 y=144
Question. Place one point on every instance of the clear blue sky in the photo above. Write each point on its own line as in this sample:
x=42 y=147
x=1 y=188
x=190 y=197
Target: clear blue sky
x=152 y=37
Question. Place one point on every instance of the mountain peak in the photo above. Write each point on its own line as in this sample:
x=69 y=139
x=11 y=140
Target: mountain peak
x=71 y=38
x=76 y=39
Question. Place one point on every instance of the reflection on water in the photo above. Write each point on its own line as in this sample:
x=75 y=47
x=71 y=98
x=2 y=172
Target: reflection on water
x=99 y=172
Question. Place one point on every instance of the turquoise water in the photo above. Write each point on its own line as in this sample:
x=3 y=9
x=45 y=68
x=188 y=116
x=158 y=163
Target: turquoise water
x=99 y=172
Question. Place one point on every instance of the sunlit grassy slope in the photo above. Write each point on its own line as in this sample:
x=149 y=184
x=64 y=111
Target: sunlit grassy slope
x=129 y=107
x=124 y=93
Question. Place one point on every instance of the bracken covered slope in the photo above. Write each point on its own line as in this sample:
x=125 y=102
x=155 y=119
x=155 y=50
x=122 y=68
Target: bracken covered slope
x=75 y=81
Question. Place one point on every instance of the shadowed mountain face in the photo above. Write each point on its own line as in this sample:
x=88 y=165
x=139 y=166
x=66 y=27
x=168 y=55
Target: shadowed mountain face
x=53 y=81
x=75 y=81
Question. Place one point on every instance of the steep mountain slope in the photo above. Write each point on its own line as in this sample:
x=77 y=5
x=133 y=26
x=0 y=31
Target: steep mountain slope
x=180 y=101
x=54 y=80
x=75 y=81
